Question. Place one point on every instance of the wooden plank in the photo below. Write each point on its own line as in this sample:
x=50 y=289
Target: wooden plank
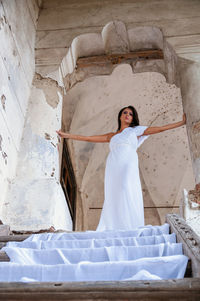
x=19 y=237
x=2 y=244
x=4 y=257
x=186 y=289
x=119 y=58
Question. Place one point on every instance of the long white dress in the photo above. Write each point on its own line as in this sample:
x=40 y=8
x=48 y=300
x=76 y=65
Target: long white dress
x=123 y=205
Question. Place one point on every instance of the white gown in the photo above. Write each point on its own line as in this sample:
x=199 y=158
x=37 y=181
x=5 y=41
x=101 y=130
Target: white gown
x=123 y=205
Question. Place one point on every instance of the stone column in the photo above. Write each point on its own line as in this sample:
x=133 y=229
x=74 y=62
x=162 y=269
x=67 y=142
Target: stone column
x=36 y=200
x=189 y=72
x=190 y=89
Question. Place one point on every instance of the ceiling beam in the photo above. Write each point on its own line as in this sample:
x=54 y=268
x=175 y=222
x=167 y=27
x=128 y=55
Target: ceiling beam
x=119 y=58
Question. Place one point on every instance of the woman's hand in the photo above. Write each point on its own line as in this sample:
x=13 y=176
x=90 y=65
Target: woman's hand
x=63 y=134
x=184 y=118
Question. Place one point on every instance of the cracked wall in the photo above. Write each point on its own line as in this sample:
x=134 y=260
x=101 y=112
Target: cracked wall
x=35 y=199
x=17 y=66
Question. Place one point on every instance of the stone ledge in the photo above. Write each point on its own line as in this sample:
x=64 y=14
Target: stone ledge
x=189 y=239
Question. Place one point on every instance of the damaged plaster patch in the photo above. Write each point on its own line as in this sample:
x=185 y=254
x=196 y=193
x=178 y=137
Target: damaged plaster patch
x=195 y=139
x=3 y=21
x=3 y=101
x=47 y=136
x=4 y=155
x=196 y=126
x=50 y=88
x=194 y=196
x=1 y=139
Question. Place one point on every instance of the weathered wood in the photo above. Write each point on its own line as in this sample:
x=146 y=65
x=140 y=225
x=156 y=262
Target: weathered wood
x=186 y=289
x=119 y=58
x=4 y=257
x=2 y=244
x=7 y=238
x=189 y=239
x=188 y=272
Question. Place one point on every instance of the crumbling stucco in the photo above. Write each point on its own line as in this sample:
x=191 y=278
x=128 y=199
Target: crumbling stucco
x=50 y=88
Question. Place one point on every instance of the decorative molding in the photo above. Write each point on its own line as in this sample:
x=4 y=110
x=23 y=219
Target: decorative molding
x=189 y=239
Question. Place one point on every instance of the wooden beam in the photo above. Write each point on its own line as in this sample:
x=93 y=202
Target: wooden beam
x=154 y=290
x=4 y=257
x=114 y=59
x=19 y=237
x=2 y=244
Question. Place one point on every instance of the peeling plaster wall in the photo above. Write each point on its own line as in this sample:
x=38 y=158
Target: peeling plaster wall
x=91 y=107
x=18 y=20
x=35 y=199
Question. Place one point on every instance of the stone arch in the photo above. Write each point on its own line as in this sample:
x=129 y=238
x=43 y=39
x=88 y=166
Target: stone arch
x=115 y=40
x=113 y=45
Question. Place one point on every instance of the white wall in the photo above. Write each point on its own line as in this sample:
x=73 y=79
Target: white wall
x=18 y=20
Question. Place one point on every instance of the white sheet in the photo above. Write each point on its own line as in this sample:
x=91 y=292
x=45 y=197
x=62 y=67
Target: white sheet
x=67 y=256
x=144 y=253
x=141 y=231
x=164 y=267
x=95 y=243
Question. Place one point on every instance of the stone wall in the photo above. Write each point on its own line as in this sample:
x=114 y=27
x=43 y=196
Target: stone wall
x=91 y=108
x=35 y=199
x=18 y=20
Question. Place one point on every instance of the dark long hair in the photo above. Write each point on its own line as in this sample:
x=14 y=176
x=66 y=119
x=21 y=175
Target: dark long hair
x=135 y=120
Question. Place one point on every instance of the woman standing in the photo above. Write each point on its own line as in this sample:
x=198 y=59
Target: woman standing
x=123 y=204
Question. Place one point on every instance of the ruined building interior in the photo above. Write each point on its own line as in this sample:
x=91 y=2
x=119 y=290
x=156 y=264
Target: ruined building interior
x=72 y=64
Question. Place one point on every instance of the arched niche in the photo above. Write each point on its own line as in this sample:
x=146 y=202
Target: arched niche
x=91 y=60
x=163 y=157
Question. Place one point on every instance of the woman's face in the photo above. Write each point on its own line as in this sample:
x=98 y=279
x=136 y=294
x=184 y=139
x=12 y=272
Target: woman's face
x=127 y=116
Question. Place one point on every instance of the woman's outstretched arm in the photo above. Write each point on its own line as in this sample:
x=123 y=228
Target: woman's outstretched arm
x=158 y=129
x=98 y=138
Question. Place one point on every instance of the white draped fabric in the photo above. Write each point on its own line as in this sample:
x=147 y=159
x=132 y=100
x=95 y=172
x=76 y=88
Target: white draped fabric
x=123 y=204
x=148 y=252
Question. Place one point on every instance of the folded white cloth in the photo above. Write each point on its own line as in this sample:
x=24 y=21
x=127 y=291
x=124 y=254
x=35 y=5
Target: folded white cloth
x=141 y=231
x=148 y=252
x=163 y=267
x=73 y=256
x=95 y=243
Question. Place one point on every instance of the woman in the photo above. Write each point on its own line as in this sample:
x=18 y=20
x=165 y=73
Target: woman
x=123 y=205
